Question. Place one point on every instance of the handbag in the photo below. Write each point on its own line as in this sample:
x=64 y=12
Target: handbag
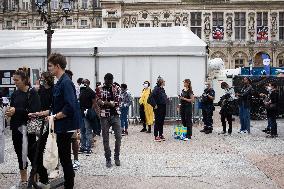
x=34 y=123
x=50 y=156
x=180 y=132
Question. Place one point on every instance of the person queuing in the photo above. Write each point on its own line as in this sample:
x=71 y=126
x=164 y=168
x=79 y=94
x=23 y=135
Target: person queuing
x=74 y=138
x=66 y=112
x=45 y=93
x=186 y=98
x=271 y=105
x=244 y=98
x=125 y=103
x=145 y=109
x=87 y=103
x=208 y=108
x=108 y=100
x=226 y=104
x=78 y=86
x=24 y=100
x=158 y=100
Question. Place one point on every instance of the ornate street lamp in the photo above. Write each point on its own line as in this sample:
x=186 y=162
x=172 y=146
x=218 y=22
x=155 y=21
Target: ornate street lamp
x=44 y=10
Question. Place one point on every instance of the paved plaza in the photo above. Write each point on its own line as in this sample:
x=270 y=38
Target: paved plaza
x=207 y=161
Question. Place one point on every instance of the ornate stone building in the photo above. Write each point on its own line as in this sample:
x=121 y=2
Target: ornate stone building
x=22 y=15
x=238 y=31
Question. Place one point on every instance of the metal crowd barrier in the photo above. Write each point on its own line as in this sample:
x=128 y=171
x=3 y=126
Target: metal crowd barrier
x=172 y=112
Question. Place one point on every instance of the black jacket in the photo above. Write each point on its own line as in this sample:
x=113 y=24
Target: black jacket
x=272 y=109
x=24 y=103
x=158 y=96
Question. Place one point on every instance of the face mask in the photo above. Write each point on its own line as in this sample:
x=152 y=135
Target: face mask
x=206 y=86
x=145 y=85
x=269 y=88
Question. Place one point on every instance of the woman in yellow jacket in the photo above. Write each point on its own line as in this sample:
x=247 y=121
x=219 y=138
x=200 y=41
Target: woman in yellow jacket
x=146 y=110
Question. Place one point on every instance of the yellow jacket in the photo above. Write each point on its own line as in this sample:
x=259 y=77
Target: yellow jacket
x=148 y=109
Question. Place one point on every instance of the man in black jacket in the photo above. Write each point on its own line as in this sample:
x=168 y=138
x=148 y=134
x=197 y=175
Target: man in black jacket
x=87 y=100
x=271 y=108
x=208 y=108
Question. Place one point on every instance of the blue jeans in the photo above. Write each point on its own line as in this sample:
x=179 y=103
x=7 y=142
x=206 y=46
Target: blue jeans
x=245 y=118
x=269 y=123
x=86 y=135
x=123 y=117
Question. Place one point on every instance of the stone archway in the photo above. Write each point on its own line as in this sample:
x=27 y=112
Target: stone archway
x=240 y=59
x=258 y=58
x=280 y=60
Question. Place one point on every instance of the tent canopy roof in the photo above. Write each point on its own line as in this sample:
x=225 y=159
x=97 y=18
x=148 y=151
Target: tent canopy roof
x=109 y=41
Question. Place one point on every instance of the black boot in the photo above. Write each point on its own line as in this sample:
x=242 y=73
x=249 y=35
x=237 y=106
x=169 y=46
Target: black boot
x=144 y=128
x=149 y=129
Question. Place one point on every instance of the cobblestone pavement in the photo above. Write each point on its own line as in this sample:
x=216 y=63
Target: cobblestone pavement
x=207 y=161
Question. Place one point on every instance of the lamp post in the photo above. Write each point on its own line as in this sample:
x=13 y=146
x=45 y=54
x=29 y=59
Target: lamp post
x=44 y=10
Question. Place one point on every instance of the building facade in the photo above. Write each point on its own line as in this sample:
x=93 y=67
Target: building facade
x=23 y=15
x=238 y=31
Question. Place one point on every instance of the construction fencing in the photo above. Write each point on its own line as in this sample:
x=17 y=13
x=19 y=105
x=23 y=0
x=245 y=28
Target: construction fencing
x=172 y=112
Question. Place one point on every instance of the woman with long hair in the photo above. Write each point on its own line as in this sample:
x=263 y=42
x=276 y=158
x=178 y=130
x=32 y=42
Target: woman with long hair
x=24 y=100
x=186 y=99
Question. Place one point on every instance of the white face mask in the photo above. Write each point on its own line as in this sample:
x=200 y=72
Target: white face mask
x=269 y=88
x=145 y=85
x=206 y=86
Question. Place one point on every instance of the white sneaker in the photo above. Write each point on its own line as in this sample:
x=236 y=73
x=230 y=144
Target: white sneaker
x=43 y=186
x=76 y=165
x=54 y=174
x=242 y=132
x=185 y=139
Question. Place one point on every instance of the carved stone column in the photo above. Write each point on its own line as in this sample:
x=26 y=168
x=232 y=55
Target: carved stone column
x=251 y=26
x=207 y=26
x=273 y=28
x=229 y=25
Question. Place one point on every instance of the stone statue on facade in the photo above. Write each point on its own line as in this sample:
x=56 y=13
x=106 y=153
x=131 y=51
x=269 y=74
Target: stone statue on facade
x=273 y=29
x=229 y=25
x=133 y=22
x=126 y=22
x=177 y=21
x=184 y=21
x=207 y=26
x=156 y=22
x=251 y=25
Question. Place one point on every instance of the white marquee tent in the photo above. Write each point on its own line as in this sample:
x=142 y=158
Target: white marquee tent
x=133 y=55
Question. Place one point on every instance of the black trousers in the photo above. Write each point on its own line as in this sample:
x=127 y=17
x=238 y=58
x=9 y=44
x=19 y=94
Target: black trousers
x=17 y=138
x=207 y=114
x=64 y=151
x=227 y=116
x=273 y=124
x=186 y=119
x=160 y=114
